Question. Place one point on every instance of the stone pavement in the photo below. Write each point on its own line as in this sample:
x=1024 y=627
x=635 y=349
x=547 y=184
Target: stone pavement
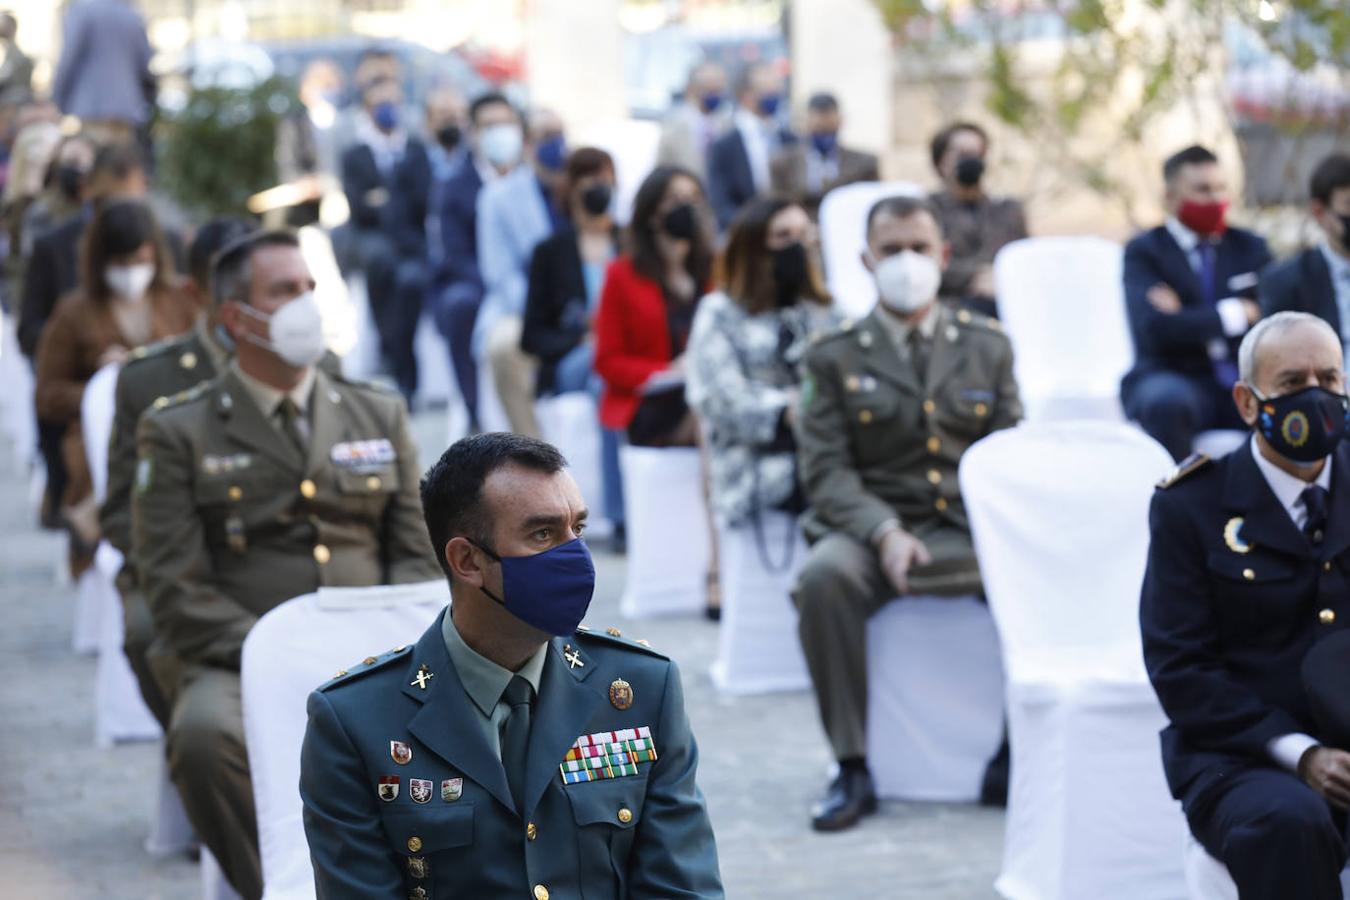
x=73 y=817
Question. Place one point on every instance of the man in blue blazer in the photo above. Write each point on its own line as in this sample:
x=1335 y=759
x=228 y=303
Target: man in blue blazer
x=1248 y=574
x=740 y=161
x=1317 y=280
x=1190 y=294
x=510 y=752
x=496 y=141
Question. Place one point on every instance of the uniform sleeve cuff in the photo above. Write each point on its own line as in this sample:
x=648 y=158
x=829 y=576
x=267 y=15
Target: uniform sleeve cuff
x=885 y=528
x=1288 y=749
x=1233 y=316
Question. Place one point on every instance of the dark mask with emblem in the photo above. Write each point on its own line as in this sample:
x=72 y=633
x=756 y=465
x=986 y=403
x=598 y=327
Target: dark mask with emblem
x=1305 y=426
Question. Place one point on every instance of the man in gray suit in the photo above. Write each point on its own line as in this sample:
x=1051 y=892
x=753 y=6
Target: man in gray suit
x=810 y=169
x=104 y=77
x=692 y=124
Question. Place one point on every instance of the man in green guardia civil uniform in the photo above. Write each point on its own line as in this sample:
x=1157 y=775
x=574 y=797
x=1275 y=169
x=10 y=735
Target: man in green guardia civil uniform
x=888 y=406
x=264 y=484
x=511 y=752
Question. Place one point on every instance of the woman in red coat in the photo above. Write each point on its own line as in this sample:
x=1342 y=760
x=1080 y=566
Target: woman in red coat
x=647 y=310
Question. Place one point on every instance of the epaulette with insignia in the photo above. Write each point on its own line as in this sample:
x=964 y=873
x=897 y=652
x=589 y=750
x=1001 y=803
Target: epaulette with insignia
x=366 y=666
x=967 y=317
x=377 y=386
x=192 y=393
x=829 y=334
x=615 y=636
x=1189 y=466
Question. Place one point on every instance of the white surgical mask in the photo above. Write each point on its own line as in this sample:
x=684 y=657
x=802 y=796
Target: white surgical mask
x=129 y=282
x=295 y=330
x=502 y=144
x=907 y=281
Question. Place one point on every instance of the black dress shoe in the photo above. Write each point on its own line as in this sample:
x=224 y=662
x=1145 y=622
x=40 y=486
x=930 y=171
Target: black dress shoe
x=849 y=798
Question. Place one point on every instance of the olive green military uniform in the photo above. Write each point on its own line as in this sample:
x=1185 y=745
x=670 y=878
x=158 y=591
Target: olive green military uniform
x=234 y=512
x=152 y=374
x=879 y=440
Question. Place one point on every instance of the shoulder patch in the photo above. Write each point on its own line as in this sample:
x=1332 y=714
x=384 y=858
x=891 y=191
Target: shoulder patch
x=1189 y=466
x=973 y=319
x=158 y=348
x=193 y=393
x=615 y=637
x=366 y=666
x=378 y=387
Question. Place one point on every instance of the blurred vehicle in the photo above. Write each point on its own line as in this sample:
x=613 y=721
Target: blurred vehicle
x=657 y=63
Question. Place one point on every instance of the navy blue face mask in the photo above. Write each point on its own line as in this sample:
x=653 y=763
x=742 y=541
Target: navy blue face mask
x=551 y=590
x=1304 y=426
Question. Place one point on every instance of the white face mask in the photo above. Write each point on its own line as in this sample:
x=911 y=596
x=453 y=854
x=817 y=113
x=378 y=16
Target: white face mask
x=502 y=144
x=295 y=331
x=129 y=282
x=907 y=281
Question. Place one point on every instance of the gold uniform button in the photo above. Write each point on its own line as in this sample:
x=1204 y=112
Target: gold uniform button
x=981 y=409
x=625 y=815
x=540 y=892
x=929 y=407
x=160 y=402
x=613 y=632
x=236 y=492
x=531 y=832
x=934 y=445
x=308 y=489
x=941 y=504
x=373 y=483
x=1248 y=574
x=865 y=416
x=414 y=844
x=368 y=661
x=188 y=360
x=963 y=317
x=1326 y=566
x=322 y=554
x=1327 y=617
x=934 y=476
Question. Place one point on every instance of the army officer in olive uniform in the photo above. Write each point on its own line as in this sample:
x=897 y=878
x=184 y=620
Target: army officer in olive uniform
x=510 y=752
x=266 y=483
x=151 y=374
x=888 y=405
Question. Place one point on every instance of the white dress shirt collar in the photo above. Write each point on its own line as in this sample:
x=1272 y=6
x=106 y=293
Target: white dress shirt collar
x=1186 y=239
x=1287 y=488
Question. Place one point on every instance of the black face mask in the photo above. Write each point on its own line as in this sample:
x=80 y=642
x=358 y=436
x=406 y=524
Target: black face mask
x=595 y=199
x=969 y=170
x=1345 y=231
x=1304 y=426
x=790 y=273
x=681 y=223
x=70 y=180
x=448 y=137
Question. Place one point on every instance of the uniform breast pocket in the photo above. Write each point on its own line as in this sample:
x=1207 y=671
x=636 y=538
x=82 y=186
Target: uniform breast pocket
x=1258 y=592
x=872 y=416
x=607 y=813
x=367 y=489
x=232 y=504
x=429 y=841
x=965 y=410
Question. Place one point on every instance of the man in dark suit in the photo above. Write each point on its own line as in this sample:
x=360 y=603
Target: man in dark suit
x=1318 y=279
x=1248 y=571
x=739 y=160
x=1190 y=294
x=387 y=178
x=496 y=142
x=808 y=170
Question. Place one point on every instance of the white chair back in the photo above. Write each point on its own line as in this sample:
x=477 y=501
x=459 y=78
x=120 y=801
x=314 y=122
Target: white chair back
x=1063 y=306
x=1059 y=513
x=96 y=418
x=290 y=651
x=17 y=420
x=843 y=238
x=570 y=423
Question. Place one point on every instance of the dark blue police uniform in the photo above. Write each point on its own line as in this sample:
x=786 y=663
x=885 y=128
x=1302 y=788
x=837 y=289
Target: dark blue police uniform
x=403 y=796
x=1234 y=597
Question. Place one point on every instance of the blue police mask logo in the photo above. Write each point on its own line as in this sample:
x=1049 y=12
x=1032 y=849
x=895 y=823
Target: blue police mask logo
x=550 y=590
x=1304 y=426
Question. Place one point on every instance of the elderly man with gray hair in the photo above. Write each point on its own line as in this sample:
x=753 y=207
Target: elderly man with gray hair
x=1248 y=572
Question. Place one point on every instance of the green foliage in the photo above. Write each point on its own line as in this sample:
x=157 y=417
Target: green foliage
x=220 y=149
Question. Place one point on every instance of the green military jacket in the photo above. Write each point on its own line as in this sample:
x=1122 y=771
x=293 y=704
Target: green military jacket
x=876 y=442
x=404 y=797
x=230 y=520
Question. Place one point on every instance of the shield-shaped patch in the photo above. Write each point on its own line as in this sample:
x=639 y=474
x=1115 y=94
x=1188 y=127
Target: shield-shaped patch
x=452 y=789
x=388 y=788
x=419 y=789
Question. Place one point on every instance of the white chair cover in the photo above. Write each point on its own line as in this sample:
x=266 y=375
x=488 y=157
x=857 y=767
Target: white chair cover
x=17 y=418
x=667 y=524
x=843 y=238
x=289 y=652
x=1059 y=515
x=170 y=831
x=96 y=417
x=214 y=884
x=758 y=650
x=120 y=713
x=570 y=423
x=1208 y=879
x=934 y=698
x=1062 y=303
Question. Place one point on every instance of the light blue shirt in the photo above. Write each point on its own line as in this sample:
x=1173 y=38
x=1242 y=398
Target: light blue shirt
x=1339 y=267
x=485 y=681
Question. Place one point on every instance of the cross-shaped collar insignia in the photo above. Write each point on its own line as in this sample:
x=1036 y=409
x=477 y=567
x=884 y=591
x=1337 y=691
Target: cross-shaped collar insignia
x=573 y=658
x=424 y=674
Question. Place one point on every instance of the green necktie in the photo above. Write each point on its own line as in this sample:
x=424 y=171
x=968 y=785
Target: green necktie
x=288 y=415
x=516 y=736
x=918 y=354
